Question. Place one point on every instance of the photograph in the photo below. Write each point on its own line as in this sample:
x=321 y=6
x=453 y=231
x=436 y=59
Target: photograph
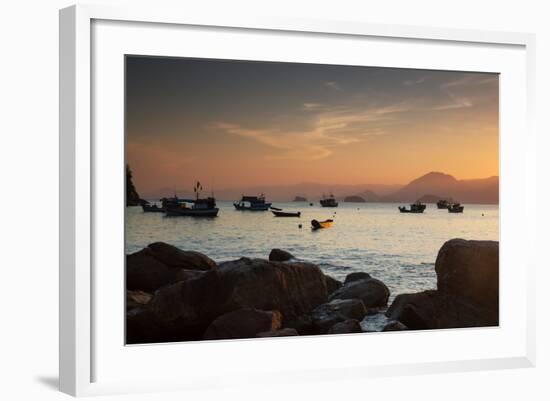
x=281 y=199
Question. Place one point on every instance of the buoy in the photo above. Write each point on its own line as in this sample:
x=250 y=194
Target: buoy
x=299 y=226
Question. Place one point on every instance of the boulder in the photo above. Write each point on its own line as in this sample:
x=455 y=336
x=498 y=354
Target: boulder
x=395 y=326
x=469 y=270
x=347 y=326
x=372 y=292
x=144 y=272
x=136 y=299
x=467 y=290
x=243 y=323
x=161 y=264
x=327 y=315
x=185 y=309
x=292 y=288
x=175 y=257
x=279 y=255
x=332 y=284
x=278 y=333
x=356 y=276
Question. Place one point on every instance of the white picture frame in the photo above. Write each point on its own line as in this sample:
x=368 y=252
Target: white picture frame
x=81 y=346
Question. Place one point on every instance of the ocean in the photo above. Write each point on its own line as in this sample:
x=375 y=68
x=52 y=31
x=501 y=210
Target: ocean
x=397 y=248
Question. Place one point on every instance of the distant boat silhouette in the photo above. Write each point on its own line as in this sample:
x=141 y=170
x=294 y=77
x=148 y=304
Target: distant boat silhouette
x=253 y=203
x=455 y=208
x=415 y=208
x=328 y=201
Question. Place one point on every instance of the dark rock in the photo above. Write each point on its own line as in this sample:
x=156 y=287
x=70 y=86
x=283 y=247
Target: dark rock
x=327 y=315
x=278 y=333
x=243 y=323
x=292 y=288
x=347 y=326
x=161 y=264
x=302 y=324
x=332 y=284
x=279 y=255
x=144 y=272
x=467 y=290
x=469 y=270
x=395 y=326
x=185 y=309
x=136 y=299
x=175 y=257
x=142 y=327
x=420 y=299
x=356 y=277
x=372 y=292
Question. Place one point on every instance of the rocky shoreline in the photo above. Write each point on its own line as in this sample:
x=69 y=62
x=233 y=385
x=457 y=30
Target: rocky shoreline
x=176 y=295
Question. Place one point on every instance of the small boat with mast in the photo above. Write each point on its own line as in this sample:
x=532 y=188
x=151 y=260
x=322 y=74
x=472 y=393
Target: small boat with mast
x=252 y=203
x=416 y=207
x=198 y=207
x=455 y=208
x=328 y=201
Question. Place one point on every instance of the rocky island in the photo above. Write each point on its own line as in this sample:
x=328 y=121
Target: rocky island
x=177 y=295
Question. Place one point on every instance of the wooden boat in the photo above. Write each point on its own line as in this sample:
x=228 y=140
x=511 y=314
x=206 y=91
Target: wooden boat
x=316 y=225
x=147 y=207
x=415 y=208
x=328 y=201
x=253 y=203
x=455 y=208
x=198 y=207
x=442 y=204
x=285 y=214
x=193 y=207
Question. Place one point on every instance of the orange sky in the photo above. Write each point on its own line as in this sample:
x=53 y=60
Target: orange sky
x=238 y=124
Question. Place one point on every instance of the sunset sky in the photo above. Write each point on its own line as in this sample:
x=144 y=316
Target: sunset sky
x=237 y=124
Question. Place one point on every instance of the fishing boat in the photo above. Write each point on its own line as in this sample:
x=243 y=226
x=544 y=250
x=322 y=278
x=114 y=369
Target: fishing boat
x=253 y=203
x=148 y=207
x=414 y=208
x=328 y=201
x=198 y=207
x=279 y=213
x=455 y=208
x=442 y=204
x=316 y=224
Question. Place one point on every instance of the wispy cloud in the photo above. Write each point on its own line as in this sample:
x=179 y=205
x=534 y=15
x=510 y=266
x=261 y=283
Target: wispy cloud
x=454 y=90
x=411 y=82
x=312 y=106
x=333 y=85
x=328 y=130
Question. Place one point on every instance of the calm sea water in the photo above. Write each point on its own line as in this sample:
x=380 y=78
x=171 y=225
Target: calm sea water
x=397 y=248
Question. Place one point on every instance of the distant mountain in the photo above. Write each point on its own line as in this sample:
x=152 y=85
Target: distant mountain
x=299 y=199
x=432 y=185
x=484 y=190
x=354 y=198
x=284 y=193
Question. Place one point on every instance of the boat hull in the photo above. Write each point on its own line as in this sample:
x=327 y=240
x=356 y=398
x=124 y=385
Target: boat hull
x=193 y=212
x=255 y=208
x=316 y=225
x=285 y=214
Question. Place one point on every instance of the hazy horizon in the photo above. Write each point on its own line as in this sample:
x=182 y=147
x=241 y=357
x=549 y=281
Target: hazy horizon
x=238 y=124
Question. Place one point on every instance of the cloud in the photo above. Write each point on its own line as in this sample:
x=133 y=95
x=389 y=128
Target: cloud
x=453 y=89
x=312 y=106
x=411 y=82
x=326 y=131
x=333 y=85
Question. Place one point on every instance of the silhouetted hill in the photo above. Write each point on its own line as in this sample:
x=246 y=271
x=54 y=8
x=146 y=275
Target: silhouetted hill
x=484 y=190
x=434 y=185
